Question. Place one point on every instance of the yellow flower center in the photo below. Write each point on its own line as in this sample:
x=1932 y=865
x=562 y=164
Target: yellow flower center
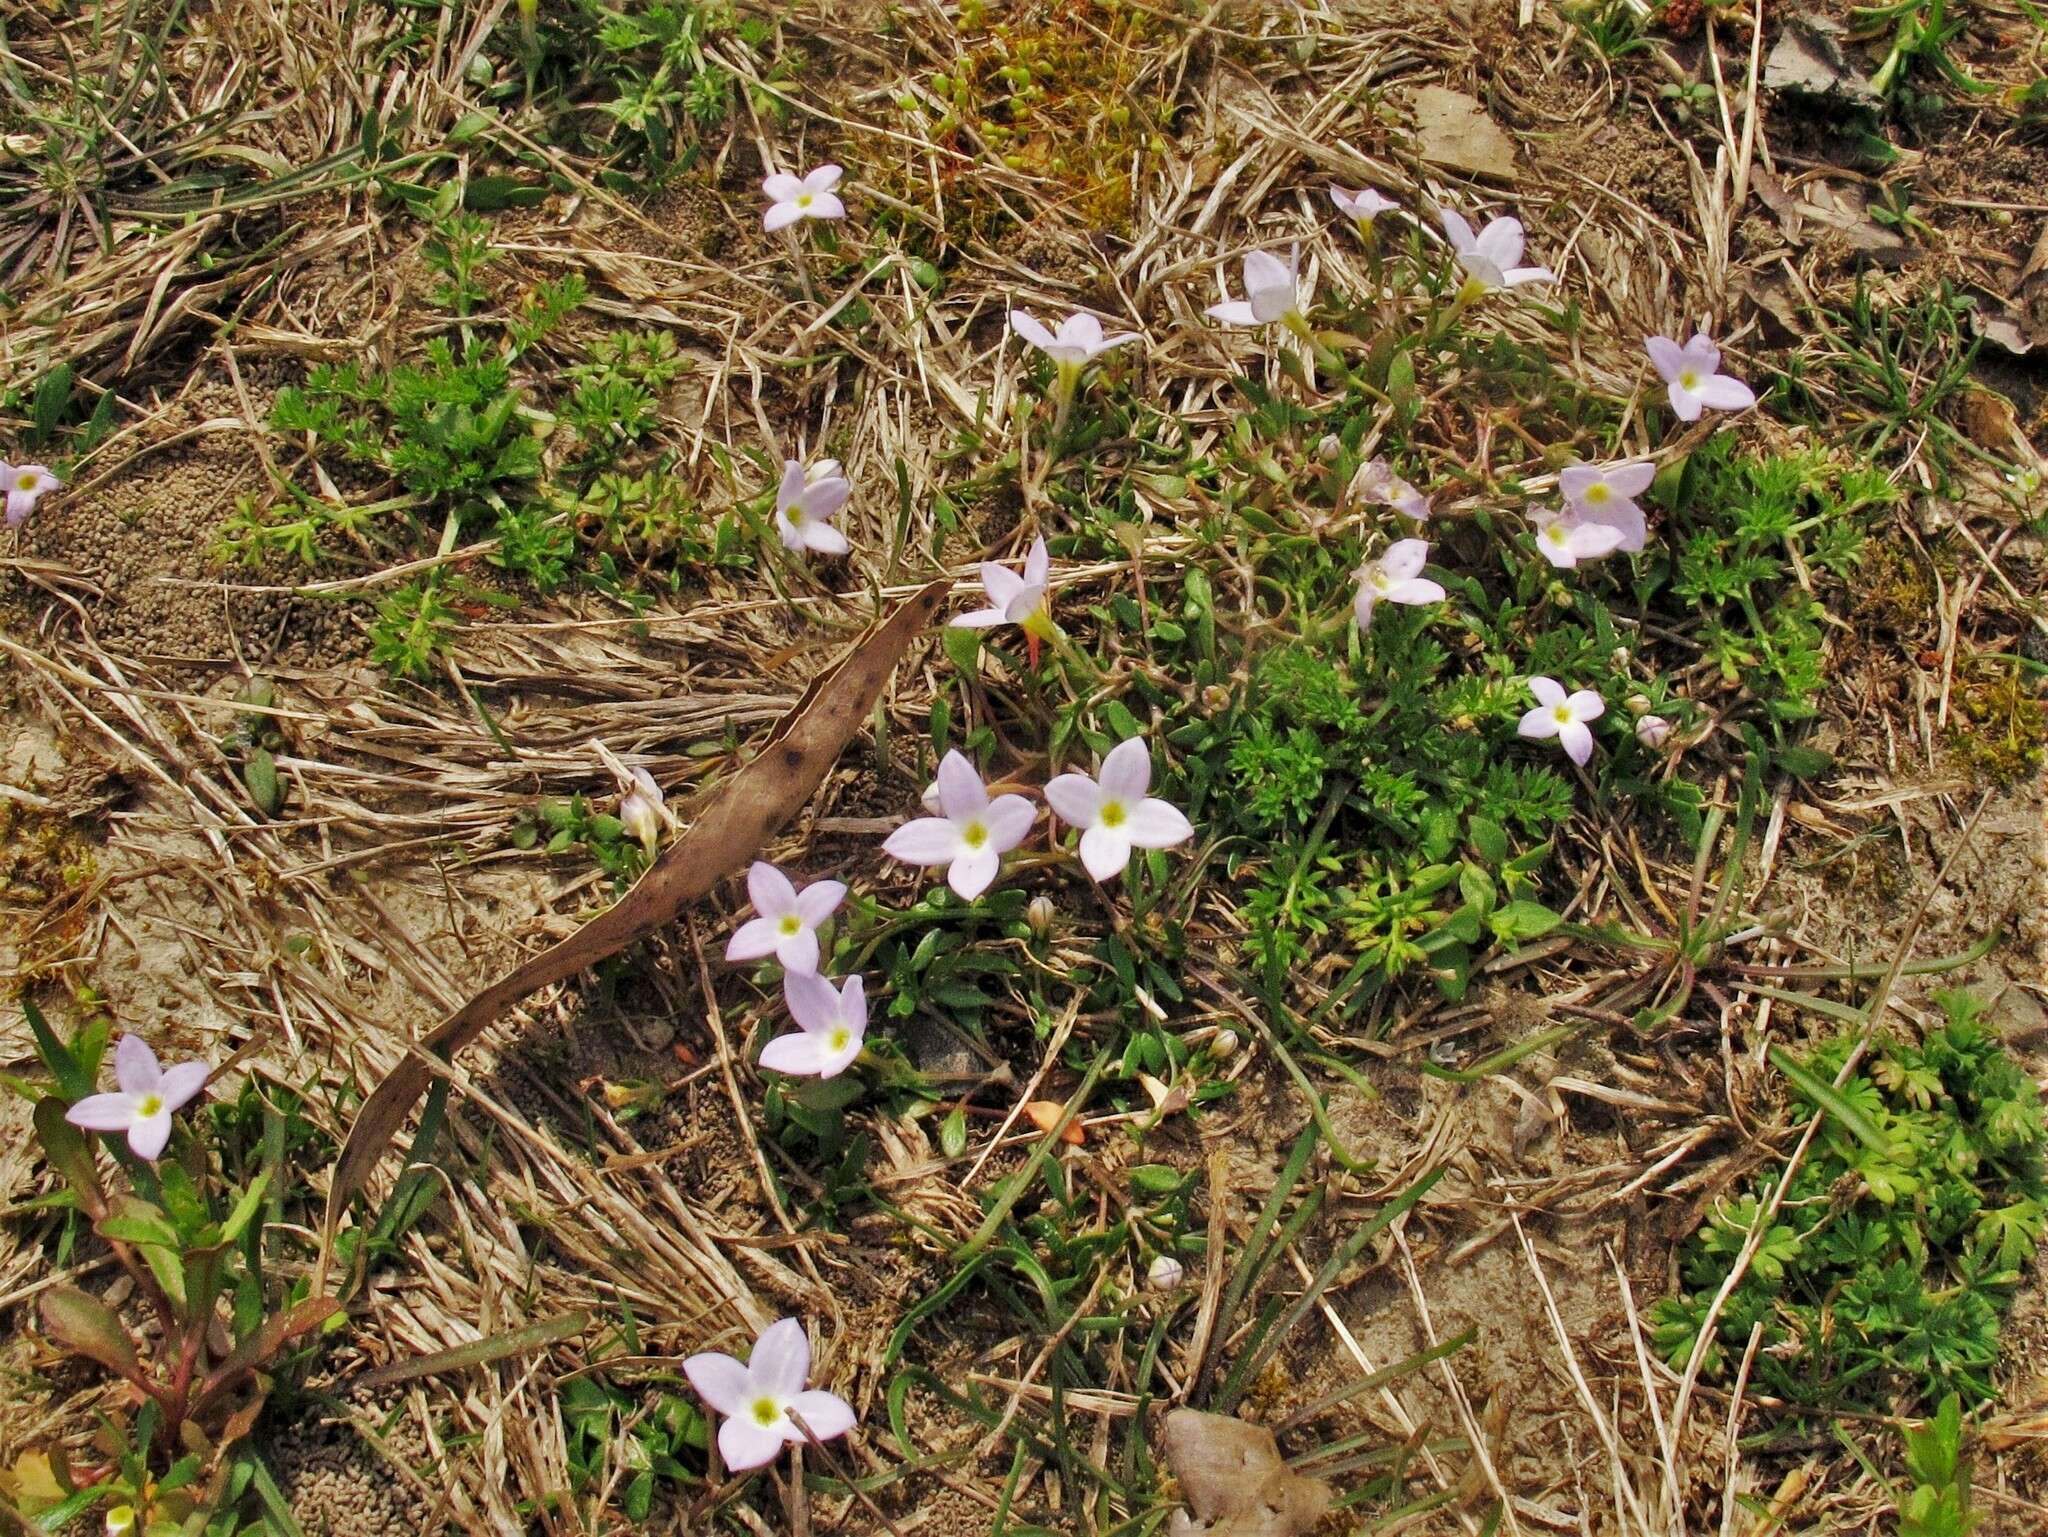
x=1381 y=582
x=973 y=835
x=1688 y=380
x=794 y=513
x=839 y=1037
x=1557 y=533
x=791 y=924
x=26 y=482
x=803 y=200
x=766 y=1412
x=1112 y=814
x=149 y=1104
x=1562 y=714
x=1597 y=494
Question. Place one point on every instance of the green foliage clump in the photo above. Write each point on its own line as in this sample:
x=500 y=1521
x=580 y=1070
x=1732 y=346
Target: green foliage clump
x=1883 y=1275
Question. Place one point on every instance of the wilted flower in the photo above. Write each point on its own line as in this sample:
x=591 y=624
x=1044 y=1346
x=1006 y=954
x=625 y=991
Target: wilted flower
x=791 y=198
x=1653 y=731
x=1363 y=206
x=1491 y=259
x=786 y=925
x=1377 y=482
x=1565 y=538
x=25 y=484
x=1606 y=493
x=1113 y=811
x=805 y=505
x=831 y=1024
x=1271 y=289
x=1018 y=600
x=969 y=834
x=1165 y=1273
x=758 y=1396
x=1694 y=375
x=149 y=1096
x=1396 y=577
x=1563 y=716
x=642 y=810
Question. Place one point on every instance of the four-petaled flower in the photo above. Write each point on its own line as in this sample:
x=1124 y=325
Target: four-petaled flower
x=786 y=925
x=149 y=1096
x=970 y=833
x=831 y=1024
x=1396 y=577
x=1015 y=599
x=1492 y=258
x=25 y=484
x=1271 y=292
x=1079 y=341
x=1363 y=206
x=1606 y=493
x=1694 y=375
x=791 y=198
x=1566 y=538
x=1563 y=716
x=1113 y=811
x=758 y=1395
x=1377 y=482
x=805 y=505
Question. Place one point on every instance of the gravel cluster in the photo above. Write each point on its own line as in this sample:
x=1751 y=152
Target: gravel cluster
x=338 y=1486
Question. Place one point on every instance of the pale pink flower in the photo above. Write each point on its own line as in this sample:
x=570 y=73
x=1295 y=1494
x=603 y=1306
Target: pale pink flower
x=831 y=1024
x=1563 y=716
x=806 y=504
x=1377 y=482
x=1694 y=375
x=1015 y=599
x=1363 y=206
x=1492 y=258
x=149 y=1096
x=757 y=1397
x=1564 y=538
x=1271 y=289
x=969 y=835
x=786 y=921
x=1396 y=577
x=1078 y=342
x=1606 y=493
x=25 y=485
x=791 y=198
x=1114 y=813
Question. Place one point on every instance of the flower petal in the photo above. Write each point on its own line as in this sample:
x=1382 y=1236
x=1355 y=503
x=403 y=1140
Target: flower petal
x=1587 y=705
x=924 y=841
x=1724 y=393
x=719 y=1380
x=1075 y=799
x=781 y=1362
x=1540 y=722
x=1626 y=519
x=1156 y=824
x=135 y=1066
x=1083 y=332
x=823 y=180
x=826 y=205
x=1362 y=605
x=745 y=1445
x=1684 y=403
x=1631 y=479
x=1501 y=243
x=181 y=1083
x=1415 y=589
x=811 y=1001
x=102 y=1112
x=797 y=952
x=1463 y=241
x=1575 y=480
x=981 y=619
x=1665 y=355
x=1031 y=329
x=1515 y=277
x=1105 y=851
x=148 y=1134
x=1576 y=741
x=973 y=871
x=1009 y=819
x=1000 y=583
x=1548 y=691
x=1234 y=313
x=782 y=187
x=1037 y=563
x=1405 y=558
x=825 y=1415
x=753 y=939
x=853 y=1003
x=1263 y=272
x=961 y=791
x=800 y=1054
x=819 y=901
x=823 y=498
x=780 y=216
x=791 y=488
x=824 y=538
x=1127 y=770
x=1702 y=354
x=770 y=890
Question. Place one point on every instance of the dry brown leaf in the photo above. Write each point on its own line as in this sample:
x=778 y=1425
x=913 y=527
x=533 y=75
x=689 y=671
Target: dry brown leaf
x=1453 y=129
x=1234 y=1482
x=738 y=819
x=1045 y=1115
x=1808 y=59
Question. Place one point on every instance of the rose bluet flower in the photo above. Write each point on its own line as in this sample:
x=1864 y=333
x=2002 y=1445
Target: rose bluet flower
x=811 y=196
x=1272 y=292
x=831 y=1025
x=970 y=833
x=1564 y=716
x=1362 y=206
x=757 y=1397
x=1606 y=493
x=642 y=809
x=1377 y=482
x=786 y=921
x=1396 y=577
x=1490 y=259
x=1017 y=599
x=1079 y=341
x=149 y=1095
x=1114 y=813
x=805 y=505
x=25 y=485
x=1564 y=538
x=1694 y=378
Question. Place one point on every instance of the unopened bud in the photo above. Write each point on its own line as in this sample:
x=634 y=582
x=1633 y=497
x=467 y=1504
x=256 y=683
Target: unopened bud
x=1039 y=915
x=1330 y=447
x=1165 y=1274
x=1620 y=659
x=1638 y=704
x=1215 y=698
x=1653 y=731
x=930 y=800
x=1223 y=1044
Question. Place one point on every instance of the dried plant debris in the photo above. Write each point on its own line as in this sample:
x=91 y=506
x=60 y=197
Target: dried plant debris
x=1234 y=1481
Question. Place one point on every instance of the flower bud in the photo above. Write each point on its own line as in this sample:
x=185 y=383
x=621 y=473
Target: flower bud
x=930 y=800
x=1330 y=447
x=642 y=822
x=1620 y=659
x=1215 y=698
x=1039 y=915
x=1223 y=1044
x=1165 y=1274
x=1653 y=731
x=1638 y=704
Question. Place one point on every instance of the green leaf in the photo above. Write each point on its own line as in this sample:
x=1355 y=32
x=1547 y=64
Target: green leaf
x=1824 y=1094
x=1522 y=920
x=73 y=1081
x=67 y=1151
x=963 y=647
x=259 y=773
x=953 y=1133
x=86 y=1326
x=488 y=194
x=52 y=399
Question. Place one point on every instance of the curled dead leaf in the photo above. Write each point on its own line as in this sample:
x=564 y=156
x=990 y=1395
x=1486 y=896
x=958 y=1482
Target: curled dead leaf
x=1234 y=1481
x=1045 y=1115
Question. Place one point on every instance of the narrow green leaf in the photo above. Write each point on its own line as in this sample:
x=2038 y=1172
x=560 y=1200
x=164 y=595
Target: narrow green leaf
x=73 y=1082
x=1823 y=1094
x=481 y=1352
